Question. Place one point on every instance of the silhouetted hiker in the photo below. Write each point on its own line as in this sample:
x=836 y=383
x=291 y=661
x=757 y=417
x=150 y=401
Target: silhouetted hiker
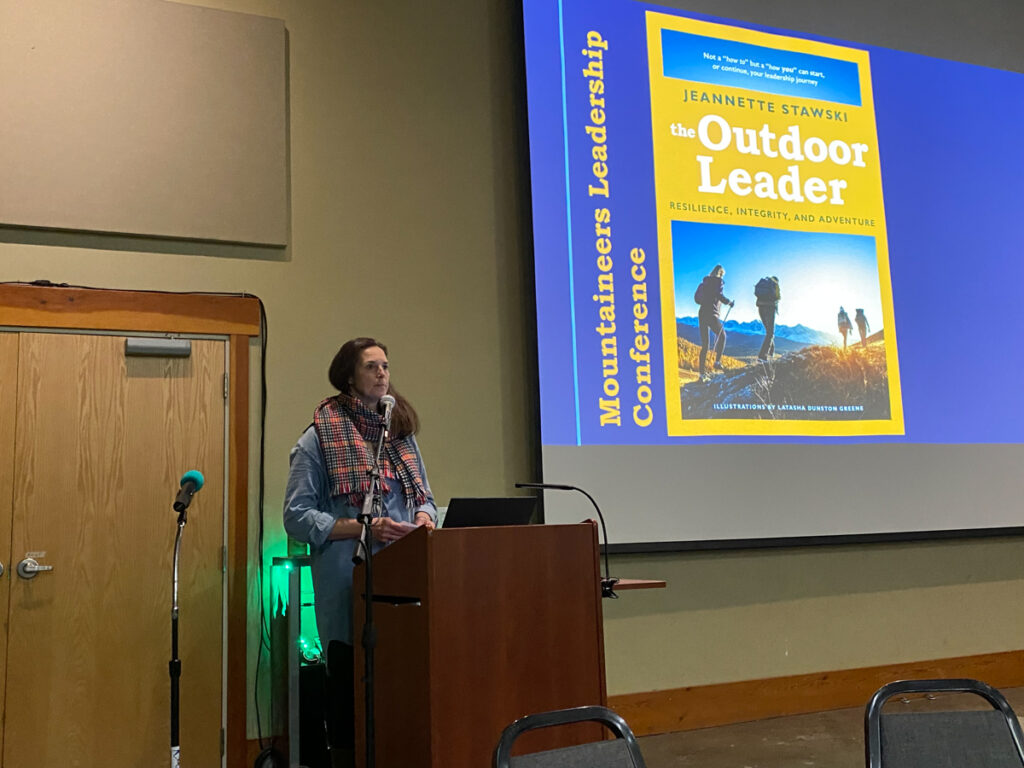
x=845 y=326
x=767 y=293
x=710 y=297
x=862 y=327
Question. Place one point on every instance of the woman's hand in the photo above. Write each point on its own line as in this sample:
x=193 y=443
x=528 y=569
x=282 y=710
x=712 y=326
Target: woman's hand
x=385 y=529
x=424 y=519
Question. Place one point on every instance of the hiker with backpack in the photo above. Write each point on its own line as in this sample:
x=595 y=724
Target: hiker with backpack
x=710 y=297
x=767 y=294
x=845 y=326
x=862 y=327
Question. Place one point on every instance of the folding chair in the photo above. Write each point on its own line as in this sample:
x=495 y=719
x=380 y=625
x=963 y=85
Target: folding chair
x=621 y=752
x=941 y=736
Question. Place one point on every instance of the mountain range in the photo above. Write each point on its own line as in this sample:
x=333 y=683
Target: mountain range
x=798 y=333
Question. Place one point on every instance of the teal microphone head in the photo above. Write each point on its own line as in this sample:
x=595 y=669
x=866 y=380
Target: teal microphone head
x=193 y=476
x=191 y=482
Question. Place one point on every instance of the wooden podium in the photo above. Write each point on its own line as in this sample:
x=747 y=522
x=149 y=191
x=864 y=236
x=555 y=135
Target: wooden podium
x=506 y=622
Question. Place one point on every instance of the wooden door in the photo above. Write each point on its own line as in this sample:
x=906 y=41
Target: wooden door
x=101 y=441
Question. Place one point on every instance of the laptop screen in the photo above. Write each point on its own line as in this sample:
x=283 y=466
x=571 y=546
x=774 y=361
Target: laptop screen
x=473 y=513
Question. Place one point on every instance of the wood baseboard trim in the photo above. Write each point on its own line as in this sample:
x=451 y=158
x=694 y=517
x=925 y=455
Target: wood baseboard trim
x=683 y=709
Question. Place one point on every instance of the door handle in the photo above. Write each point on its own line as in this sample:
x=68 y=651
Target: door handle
x=29 y=567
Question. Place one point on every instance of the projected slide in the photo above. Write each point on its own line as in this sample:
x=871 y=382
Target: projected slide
x=748 y=235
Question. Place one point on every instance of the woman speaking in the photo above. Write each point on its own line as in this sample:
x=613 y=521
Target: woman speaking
x=327 y=481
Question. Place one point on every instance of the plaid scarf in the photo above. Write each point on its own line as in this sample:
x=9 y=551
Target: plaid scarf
x=348 y=432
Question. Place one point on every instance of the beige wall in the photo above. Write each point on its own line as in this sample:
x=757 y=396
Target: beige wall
x=731 y=616
x=409 y=222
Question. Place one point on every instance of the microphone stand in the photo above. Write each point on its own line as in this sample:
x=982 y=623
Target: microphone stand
x=608 y=582
x=174 y=667
x=373 y=505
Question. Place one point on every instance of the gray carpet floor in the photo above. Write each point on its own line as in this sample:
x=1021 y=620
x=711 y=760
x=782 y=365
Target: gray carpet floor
x=822 y=740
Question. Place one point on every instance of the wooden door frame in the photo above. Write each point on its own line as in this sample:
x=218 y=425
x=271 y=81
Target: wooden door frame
x=237 y=317
x=8 y=406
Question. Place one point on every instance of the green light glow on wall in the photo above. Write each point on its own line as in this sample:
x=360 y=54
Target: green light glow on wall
x=281 y=575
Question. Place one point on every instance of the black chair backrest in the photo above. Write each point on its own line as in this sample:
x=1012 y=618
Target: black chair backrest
x=942 y=739
x=622 y=752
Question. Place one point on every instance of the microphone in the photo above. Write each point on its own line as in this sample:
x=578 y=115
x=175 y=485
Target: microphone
x=191 y=482
x=608 y=582
x=387 y=403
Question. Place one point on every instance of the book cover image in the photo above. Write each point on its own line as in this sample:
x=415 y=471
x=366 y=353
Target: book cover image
x=777 y=308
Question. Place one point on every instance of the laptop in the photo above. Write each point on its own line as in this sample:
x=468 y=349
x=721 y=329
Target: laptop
x=473 y=513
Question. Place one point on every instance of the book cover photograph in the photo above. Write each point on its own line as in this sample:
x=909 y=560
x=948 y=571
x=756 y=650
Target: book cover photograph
x=776 y=300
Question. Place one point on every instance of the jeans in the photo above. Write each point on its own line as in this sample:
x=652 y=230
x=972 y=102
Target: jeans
x=708 y=323
x=767 y=313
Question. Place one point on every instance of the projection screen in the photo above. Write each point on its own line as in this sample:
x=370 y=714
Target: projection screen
x=834 y=227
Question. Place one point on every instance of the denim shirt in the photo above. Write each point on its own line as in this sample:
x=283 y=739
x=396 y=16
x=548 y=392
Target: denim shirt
x=309 y=515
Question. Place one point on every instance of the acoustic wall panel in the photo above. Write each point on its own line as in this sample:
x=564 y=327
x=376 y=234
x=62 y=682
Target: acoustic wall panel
x=143 y=117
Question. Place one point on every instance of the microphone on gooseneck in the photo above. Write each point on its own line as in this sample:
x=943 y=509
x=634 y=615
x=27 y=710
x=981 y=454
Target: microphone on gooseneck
x=386 y=405
x=608 y=582
x=191 y=482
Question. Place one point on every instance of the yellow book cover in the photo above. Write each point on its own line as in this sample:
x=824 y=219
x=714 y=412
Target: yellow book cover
x=777 y=311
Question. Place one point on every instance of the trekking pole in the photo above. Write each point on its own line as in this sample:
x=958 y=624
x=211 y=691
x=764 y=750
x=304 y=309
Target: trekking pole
x=727 y=313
